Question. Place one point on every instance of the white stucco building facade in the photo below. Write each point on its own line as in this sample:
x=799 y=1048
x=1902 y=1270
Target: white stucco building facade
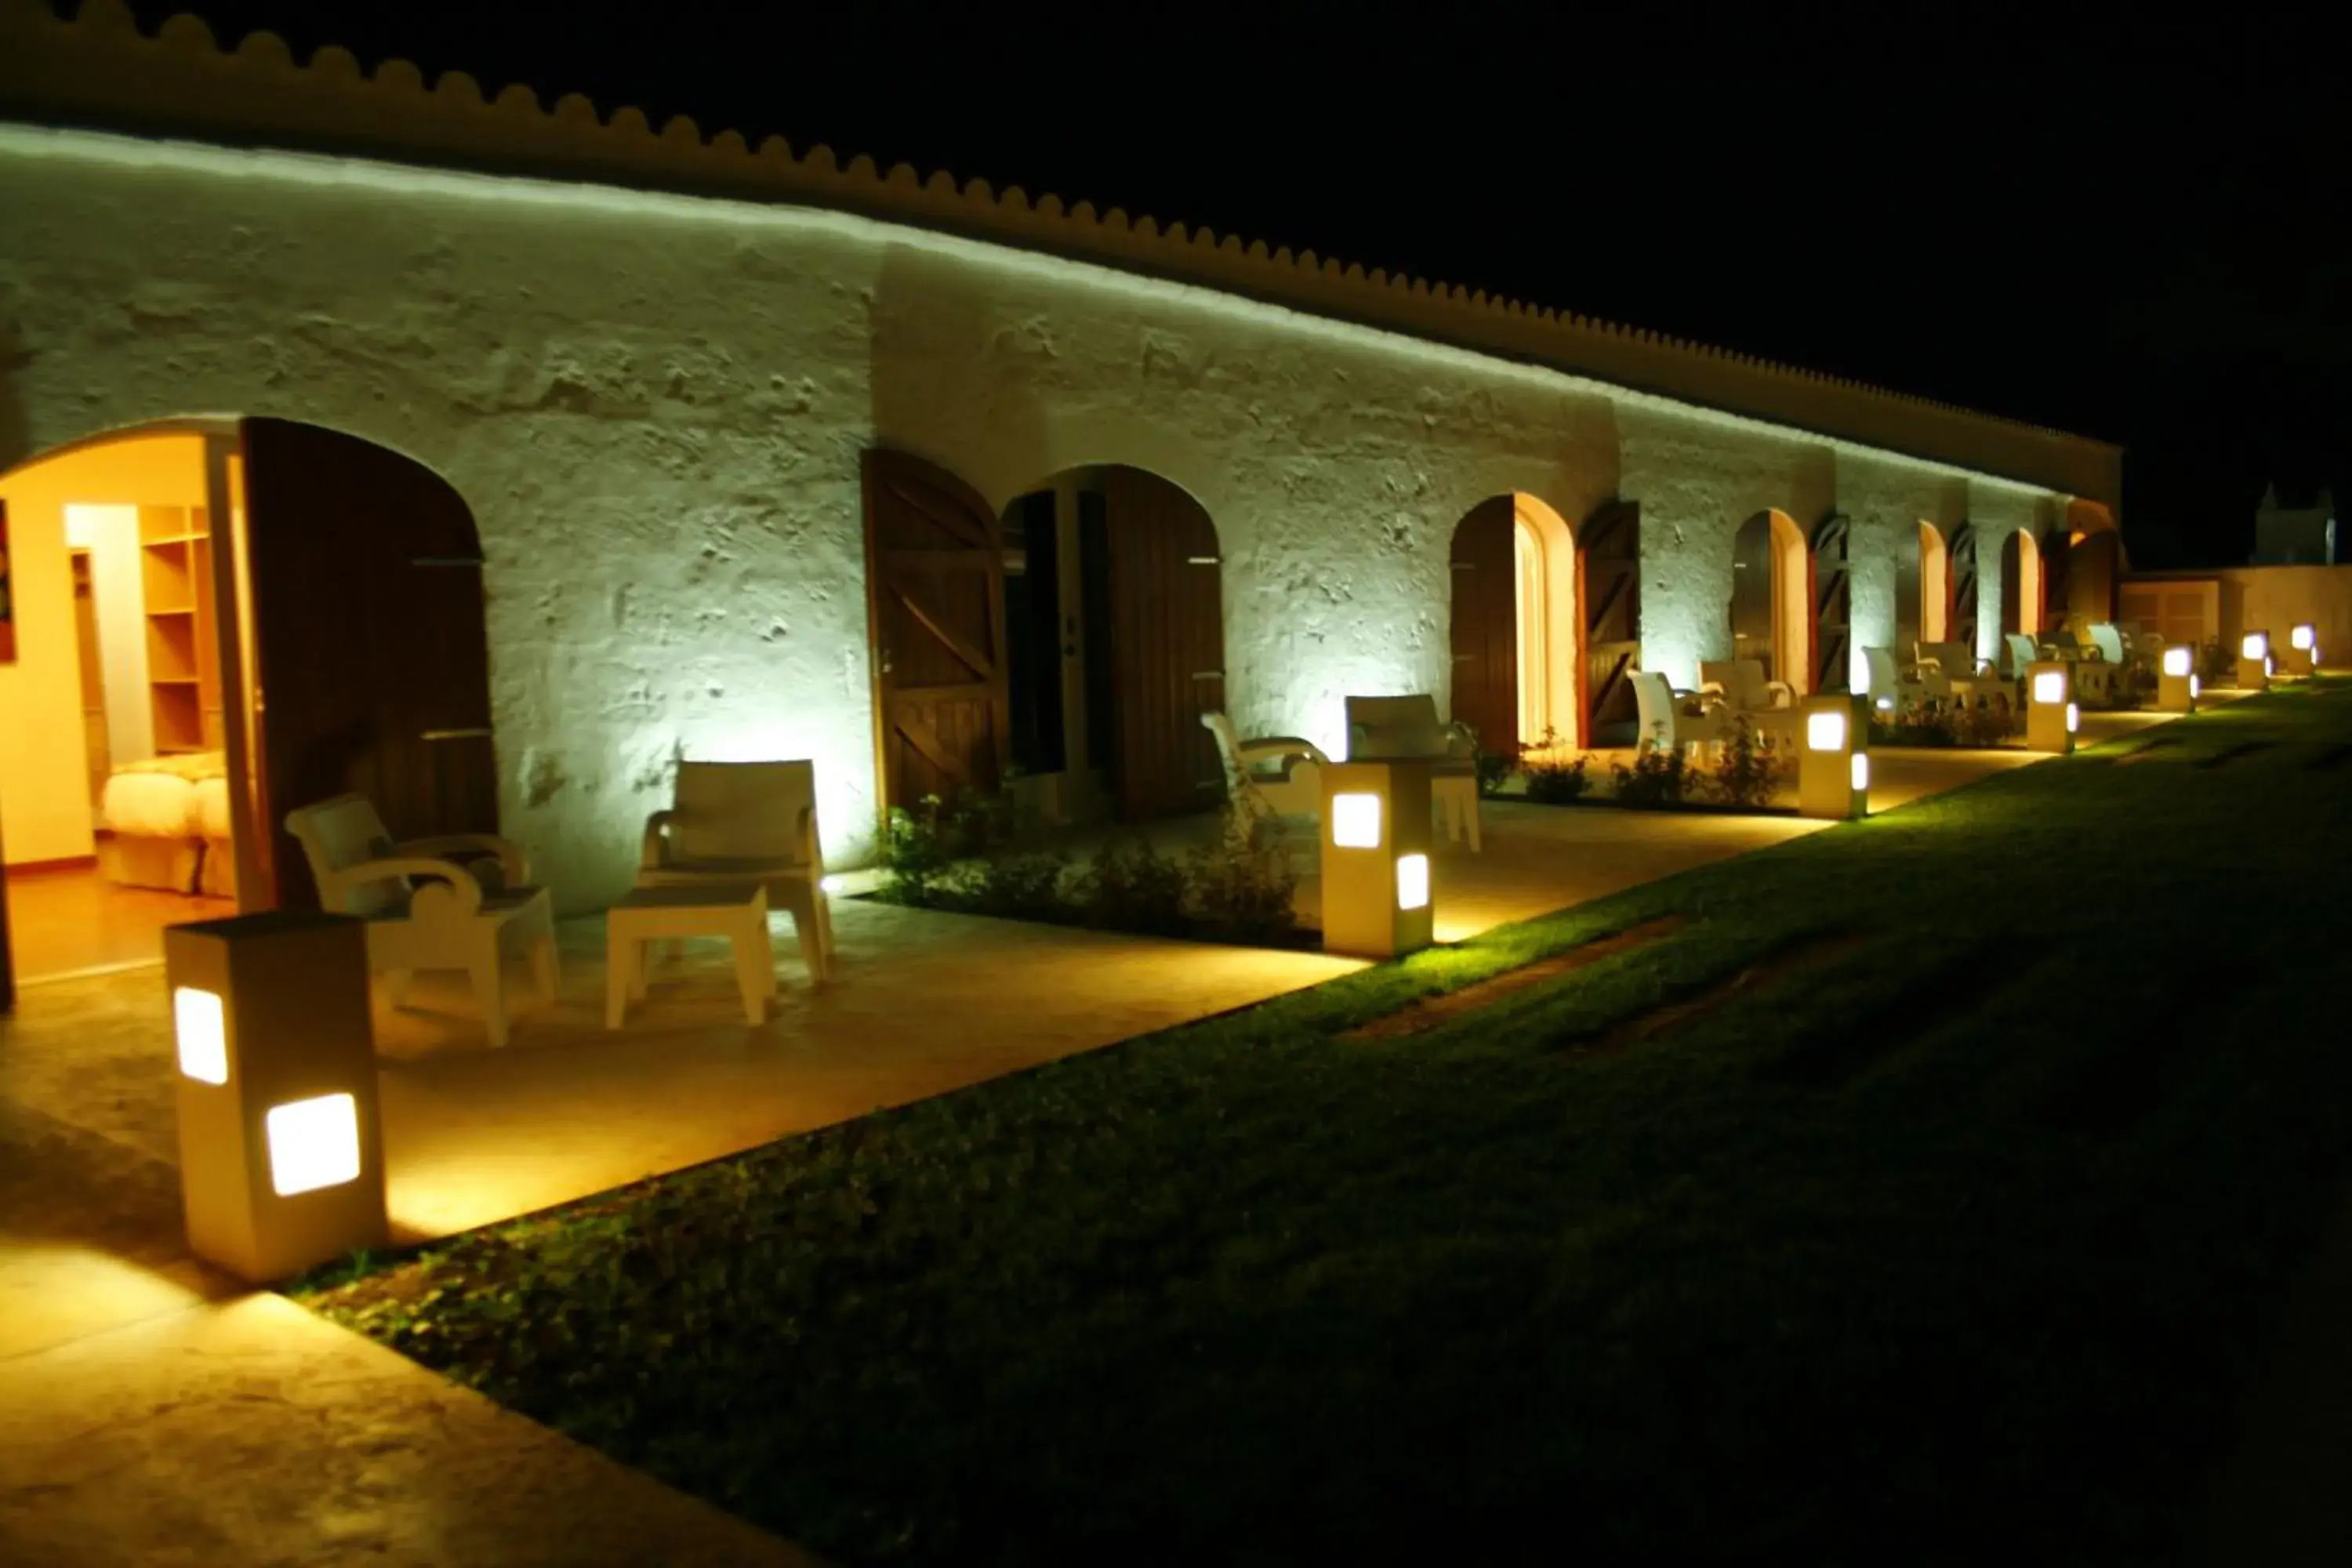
x=655 y=403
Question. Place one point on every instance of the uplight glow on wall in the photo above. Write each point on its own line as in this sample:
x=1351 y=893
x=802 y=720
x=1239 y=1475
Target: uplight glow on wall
x=202 y=1030
x=1356 y=820
x=314 y=1143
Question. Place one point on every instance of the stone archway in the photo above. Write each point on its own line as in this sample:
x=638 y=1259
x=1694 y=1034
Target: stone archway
x=1772 y=609
x=1516 y=632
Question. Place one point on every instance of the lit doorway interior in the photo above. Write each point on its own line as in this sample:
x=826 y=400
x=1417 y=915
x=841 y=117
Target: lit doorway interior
x=115 y=817
x=1515 y=623
x=1771 y=590
x=2021 y=584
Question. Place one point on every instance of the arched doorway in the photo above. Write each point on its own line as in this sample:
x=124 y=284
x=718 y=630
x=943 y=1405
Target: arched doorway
x=2094 y=563
x=223 y=619
x=1516 y=666
x=1772 y=595
x=1923 y=590
x=2021 y=584
x=1069 y=644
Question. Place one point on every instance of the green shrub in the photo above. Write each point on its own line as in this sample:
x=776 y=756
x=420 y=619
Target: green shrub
x=1993 y=724
x=1747 y=773
x=1656 y=779
x=1017 y=886
x=2217 y=664
x=1494 y=769
x=1131 y=887
x=1557 y=784
x=1241 y=882
x=915 y=855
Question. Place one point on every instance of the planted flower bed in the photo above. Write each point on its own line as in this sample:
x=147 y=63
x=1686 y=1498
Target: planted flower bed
x=964 y=858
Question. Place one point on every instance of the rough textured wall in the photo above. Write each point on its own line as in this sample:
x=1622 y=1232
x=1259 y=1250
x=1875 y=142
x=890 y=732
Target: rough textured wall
x=656 y=406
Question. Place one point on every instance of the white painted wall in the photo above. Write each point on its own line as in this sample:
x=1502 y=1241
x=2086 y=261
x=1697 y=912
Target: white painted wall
x=111 y=534
x=656 y=406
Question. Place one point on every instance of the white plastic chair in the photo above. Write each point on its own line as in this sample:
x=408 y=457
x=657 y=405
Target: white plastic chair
x=1390 y=728
x=424 y=909
x=1951 y=671
x=2109 y=640
x=1892 y=689
x=747 y=822
x=1285 y=771
x=1741 y=684
x=2021 y=653
x=1382 y=729
x=1666 y=725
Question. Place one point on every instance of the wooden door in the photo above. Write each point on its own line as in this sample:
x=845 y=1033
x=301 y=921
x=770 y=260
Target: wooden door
x=1168 y=646
x=2013 y=578
x=1486 y=635
x=1961 y=585
x=935 y=594
x=1832 y=613
x=369 y=650
x=1609 y=587
x=1911 y=616
x=2057 y=599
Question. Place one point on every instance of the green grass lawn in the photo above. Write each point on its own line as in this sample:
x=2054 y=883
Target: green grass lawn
x=1954 y=1240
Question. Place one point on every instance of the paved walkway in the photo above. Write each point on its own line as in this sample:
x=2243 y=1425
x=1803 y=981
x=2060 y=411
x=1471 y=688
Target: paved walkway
x=133 y=1381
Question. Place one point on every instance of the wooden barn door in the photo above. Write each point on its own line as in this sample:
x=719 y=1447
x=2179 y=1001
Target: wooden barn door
x=1168 y=646
x=1485 y=627
x=370 y=658
x=1609 y=587
x=2057 y=601
x=1832 y=603
x=1961 y=585
x=935 y=586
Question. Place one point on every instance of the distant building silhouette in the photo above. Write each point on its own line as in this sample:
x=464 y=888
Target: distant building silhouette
x=2294 y=535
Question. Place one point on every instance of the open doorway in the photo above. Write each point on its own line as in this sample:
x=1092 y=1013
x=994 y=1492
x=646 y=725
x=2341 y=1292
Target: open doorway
x=2020 y=585
x=1115 y=647
x=1517 y=673
x=236 y=569
x=1923 y=592
x=115 y=814
x=1771 y=594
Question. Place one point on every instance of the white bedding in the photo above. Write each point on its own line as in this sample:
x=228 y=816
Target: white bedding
x=152 y=804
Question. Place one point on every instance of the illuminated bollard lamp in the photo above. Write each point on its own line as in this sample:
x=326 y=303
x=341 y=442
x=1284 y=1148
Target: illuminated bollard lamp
x=2050 y=716
x=2302 y=650
x=2175 y=680
x=1376 y=894
x=1834 y=771
x=281 y=1153
x=2254 y=661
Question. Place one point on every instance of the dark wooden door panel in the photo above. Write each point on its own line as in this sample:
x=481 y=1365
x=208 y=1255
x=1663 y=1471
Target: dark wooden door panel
x=1609 y=587
x=1167 y=645
x=1832 y=613
x=935 y=582
x=1485 y=624
x=372 y=654
x=2057 y=600
x=1960 y=556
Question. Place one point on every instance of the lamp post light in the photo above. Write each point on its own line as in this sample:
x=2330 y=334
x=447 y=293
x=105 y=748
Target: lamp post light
x=2254 y=661
x=281 y=1151
x=1377 y=897
x=2175 y=680
x=1834 y=771
x=2302 y=650
x=2050 y=716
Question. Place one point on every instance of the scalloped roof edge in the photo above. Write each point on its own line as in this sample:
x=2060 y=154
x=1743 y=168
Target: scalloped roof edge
x=99 y=70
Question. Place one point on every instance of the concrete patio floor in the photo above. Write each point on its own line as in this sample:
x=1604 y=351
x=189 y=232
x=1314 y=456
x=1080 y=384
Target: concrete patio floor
x=132 y=1377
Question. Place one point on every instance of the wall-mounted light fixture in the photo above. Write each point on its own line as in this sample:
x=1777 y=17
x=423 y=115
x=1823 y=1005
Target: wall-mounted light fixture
x=1378 y=894
x=1834 y=771
x=2050 y=716
x=281 y=1155
x=2175 y=680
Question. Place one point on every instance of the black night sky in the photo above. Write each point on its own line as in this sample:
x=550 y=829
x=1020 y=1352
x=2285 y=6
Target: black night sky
x=2130 y=227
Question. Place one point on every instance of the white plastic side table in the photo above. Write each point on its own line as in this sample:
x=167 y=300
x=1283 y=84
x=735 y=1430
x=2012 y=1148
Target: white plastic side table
x=736 y=911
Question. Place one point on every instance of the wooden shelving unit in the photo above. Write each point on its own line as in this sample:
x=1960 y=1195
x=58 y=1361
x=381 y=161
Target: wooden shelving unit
x=176 y=551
